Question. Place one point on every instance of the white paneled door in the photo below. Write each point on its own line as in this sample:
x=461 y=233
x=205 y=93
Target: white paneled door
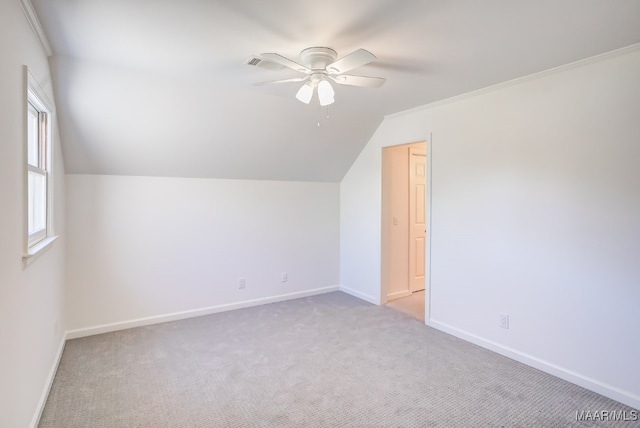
x=417 y=217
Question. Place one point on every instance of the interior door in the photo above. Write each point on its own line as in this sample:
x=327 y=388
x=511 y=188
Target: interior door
x=417 y=217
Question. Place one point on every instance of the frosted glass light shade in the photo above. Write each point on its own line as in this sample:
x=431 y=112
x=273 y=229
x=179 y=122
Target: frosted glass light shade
x=305 y=93
x=325 y=93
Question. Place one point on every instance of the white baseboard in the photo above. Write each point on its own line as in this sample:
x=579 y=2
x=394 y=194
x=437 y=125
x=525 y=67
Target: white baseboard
x=140 y=322
x=47 y=387
x=360 y=295
x=601 y=388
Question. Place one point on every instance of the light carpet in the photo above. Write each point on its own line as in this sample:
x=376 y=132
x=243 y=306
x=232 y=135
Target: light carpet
x=323 y=361
x=411 y=305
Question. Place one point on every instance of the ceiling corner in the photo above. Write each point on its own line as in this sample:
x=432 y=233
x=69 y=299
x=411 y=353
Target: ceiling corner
x=34 y=22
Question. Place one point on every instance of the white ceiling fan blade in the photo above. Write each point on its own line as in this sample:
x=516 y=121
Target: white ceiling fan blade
x=368 y=82
x=354 y=60
x=279 y=59
x=295 y=79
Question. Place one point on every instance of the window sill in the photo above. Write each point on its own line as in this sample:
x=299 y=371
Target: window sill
x=36 y=250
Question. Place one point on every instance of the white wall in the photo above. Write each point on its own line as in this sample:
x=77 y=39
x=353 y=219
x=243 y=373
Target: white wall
x=142 y=247
x=535 y=213
x=31 y=298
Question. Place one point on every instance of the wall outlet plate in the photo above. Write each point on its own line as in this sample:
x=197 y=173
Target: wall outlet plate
x=503 y=321
x=241 y=283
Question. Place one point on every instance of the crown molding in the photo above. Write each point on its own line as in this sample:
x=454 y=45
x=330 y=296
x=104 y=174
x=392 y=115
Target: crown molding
x=590 y=60
x=34 y=22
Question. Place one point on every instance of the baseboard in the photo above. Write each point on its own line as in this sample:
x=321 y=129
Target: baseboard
x=140 y=322
x=47 y=387
x=398 y=295
x=601 y=388
x=360 y=295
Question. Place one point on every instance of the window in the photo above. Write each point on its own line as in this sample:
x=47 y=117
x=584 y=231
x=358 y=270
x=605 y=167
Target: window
x=37 y=125
x=38 y=168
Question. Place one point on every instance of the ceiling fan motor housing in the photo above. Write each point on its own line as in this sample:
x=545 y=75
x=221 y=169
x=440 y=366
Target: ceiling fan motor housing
x=317 y=58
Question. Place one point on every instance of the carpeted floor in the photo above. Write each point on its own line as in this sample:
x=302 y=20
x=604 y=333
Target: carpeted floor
x=411 y=305
x=322 y=361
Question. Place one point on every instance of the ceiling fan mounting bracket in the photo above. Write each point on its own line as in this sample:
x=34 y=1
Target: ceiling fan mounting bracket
x=317 y=58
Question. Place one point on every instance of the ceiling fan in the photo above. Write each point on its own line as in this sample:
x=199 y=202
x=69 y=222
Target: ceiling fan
x=320 y=67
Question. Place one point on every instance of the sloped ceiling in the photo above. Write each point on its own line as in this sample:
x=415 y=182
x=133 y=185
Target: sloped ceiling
x=159 y=87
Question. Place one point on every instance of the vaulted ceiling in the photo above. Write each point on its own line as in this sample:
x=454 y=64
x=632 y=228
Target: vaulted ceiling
x=159 y=87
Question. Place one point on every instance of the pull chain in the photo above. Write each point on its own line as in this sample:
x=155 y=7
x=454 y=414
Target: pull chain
x=318 y=114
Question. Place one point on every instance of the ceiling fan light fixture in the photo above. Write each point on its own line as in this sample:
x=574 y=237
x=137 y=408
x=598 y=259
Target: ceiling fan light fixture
x=325 y=93
x=305 y=93
x=319 y=67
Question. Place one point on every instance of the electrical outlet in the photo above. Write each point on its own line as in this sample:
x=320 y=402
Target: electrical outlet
x=241 y=283
x=504 y=321
x=284 y=277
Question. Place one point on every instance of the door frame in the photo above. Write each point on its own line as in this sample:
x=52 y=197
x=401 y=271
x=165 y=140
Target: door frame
x=386 y=221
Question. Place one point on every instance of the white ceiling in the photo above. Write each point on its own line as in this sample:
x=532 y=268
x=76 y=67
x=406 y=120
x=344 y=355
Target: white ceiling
x=159 y=87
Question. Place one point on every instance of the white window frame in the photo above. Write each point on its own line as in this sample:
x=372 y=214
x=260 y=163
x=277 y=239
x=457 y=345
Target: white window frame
x=35 y=98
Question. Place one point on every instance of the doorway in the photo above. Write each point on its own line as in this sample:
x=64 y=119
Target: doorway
x=404 y=228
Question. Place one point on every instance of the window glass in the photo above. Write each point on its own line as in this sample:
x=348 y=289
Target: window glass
x=33 y=149
x=37 y=202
